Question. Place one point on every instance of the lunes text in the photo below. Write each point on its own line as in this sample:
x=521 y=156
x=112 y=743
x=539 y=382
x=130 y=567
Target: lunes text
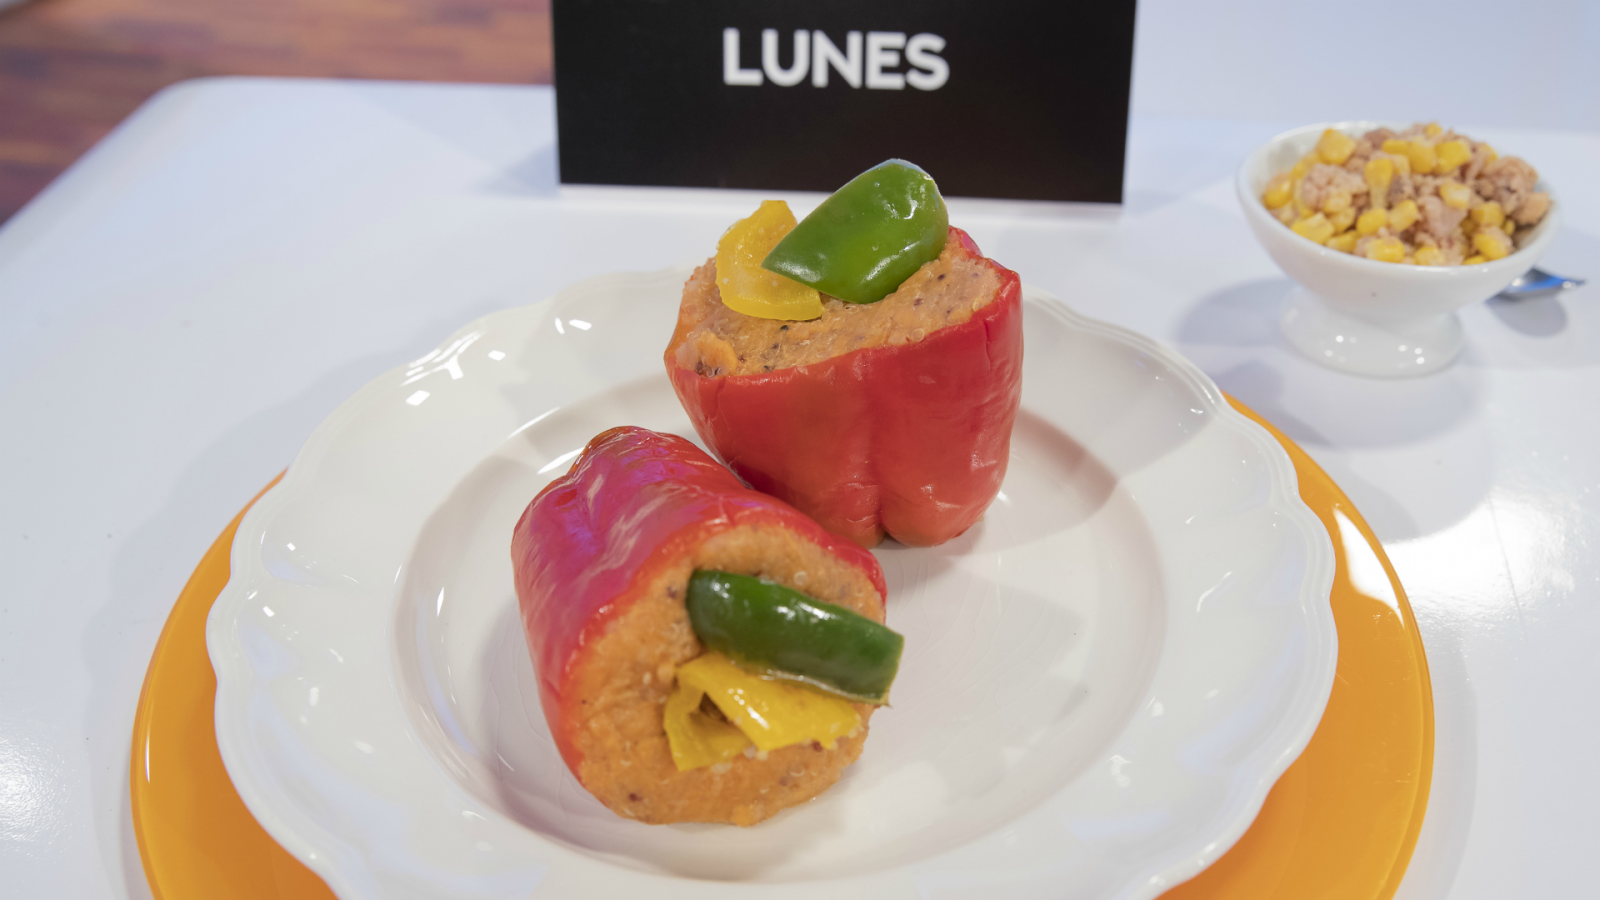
x=869 y=60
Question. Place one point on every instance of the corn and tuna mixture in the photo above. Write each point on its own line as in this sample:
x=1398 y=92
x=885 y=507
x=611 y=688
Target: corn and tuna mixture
x=1425 y=196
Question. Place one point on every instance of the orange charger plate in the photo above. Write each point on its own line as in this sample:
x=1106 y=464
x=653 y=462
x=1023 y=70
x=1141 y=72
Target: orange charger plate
x=1341 y=822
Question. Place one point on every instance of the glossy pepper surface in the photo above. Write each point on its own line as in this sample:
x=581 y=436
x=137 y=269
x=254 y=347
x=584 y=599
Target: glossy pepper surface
x=909 y=439
x=772 y=629
x=868 y=236
x=634 y=503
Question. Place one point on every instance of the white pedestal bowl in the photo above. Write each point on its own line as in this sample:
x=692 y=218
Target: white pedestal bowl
x=1362 y=316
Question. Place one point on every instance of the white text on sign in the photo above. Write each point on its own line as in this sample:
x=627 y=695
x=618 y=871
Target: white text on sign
x=869 y=60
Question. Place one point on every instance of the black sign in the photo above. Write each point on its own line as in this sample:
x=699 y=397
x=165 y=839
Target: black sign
x=1025 y=99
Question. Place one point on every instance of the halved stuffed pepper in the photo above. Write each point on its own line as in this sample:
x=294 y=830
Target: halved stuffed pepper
x=705 y=653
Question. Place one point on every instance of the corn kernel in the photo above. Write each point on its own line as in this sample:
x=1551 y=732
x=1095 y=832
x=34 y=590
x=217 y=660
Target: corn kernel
x=1455 y=194
x=1371 y=221
x=1492 y=155
x=1452 y=154
x=1335 y=147
x=1509 y=226
x=1429 y=256
x=1379 y=174
x=1492 y=243
x=1344 y=243
x=1297 y=194
x=1284 y=214
x=1396 y=146
x=1304 y=165
x=1343 y=219
x=1423 y=158
x=1337 y=202
x=1387 y=249
x=1316 y=228
x=1488 y=214
x=1277 y=193
x=1433 y=129
x=1403 y=216
x=1477 y=259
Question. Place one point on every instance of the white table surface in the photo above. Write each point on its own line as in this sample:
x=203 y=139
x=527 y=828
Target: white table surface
x=181 y=308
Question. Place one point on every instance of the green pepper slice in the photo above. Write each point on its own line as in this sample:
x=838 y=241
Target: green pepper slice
x=864 y=241
x=784 y=634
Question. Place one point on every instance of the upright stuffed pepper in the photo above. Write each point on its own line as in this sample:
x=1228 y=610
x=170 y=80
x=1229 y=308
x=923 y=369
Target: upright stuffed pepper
x=705 y=653
x=864 y=365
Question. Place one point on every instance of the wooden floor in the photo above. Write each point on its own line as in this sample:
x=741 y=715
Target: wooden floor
x=72 y=69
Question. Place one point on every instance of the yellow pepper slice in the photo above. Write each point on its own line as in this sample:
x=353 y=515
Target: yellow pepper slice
x=750 y=289
x=772 y=714
x=696 y=738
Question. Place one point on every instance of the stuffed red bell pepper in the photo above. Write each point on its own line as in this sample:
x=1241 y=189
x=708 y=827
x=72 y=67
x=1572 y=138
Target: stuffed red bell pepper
x=705 y=653
x=872 y=413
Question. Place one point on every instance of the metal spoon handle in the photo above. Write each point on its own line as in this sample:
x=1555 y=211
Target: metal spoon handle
x=1538 y=281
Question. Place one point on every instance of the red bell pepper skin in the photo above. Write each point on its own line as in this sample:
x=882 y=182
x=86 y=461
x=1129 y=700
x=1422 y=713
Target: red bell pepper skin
x=633 y=503
x=911 y=440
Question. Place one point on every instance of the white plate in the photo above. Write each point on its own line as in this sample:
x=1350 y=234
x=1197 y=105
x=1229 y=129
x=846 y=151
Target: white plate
x=1102 y=679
